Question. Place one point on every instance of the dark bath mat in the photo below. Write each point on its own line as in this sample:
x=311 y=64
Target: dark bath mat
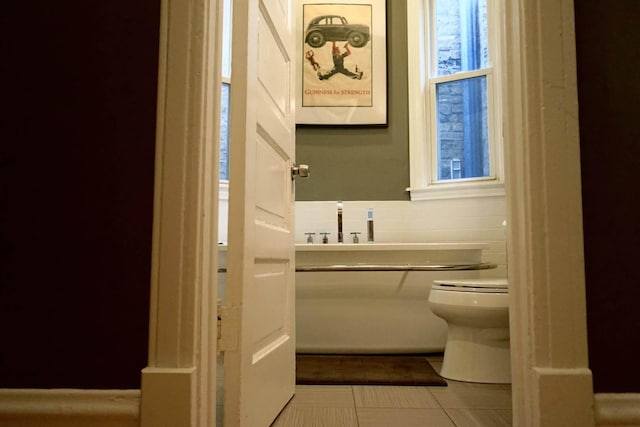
x=366 y=370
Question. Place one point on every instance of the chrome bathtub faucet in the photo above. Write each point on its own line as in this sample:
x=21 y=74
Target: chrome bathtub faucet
x=340 y=237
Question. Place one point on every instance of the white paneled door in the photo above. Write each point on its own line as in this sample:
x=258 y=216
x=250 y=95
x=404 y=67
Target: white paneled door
x=260 y=367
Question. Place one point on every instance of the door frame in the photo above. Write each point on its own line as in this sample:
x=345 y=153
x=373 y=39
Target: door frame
x=179 y=382
x=551 y=379
x=552 y=384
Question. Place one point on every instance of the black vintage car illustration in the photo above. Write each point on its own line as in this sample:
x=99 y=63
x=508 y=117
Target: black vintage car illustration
x=326 y=28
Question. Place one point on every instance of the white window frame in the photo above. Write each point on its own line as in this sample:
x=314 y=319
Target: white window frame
x=422 y=107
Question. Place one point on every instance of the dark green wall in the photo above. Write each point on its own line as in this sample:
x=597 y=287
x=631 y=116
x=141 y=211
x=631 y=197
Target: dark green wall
x=363 y=163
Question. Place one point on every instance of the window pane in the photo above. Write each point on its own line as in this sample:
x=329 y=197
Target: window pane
x=461 y=36
x=461 y=108
x=224 y=131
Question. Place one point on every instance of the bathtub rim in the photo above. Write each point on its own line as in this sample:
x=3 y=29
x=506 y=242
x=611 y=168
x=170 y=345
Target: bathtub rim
x=376 y=246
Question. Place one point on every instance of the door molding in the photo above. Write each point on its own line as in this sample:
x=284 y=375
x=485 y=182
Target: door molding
x=178 y=385
x=552 y=385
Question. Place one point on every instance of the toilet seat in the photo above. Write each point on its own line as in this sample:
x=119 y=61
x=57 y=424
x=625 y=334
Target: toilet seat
x=472 y=285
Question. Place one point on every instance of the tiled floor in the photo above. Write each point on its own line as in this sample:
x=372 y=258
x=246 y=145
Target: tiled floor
x=459 y=404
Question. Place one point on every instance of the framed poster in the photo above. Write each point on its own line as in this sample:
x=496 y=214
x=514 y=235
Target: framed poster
x=342 y=62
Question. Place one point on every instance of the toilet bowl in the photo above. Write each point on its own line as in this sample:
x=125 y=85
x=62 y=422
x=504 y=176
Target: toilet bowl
x=477 y=316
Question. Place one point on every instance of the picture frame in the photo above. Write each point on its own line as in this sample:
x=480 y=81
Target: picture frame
x=341 y=59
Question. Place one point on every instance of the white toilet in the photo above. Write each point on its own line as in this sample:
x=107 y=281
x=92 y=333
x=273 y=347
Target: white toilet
x=477 y=316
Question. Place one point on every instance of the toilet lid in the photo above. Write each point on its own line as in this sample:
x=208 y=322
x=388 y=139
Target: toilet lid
x=491 y=283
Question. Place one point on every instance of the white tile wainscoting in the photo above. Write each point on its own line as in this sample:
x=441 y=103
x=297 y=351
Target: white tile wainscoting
x=436 y=221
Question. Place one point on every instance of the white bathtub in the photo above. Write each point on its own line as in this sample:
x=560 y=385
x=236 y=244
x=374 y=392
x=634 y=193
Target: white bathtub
x=374 y=311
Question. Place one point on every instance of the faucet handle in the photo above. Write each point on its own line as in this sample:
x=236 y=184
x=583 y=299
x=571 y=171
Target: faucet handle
x=310 y=237
x=356 y=239
x=325 y=239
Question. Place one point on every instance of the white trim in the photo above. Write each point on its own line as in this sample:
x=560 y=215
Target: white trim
x=458 y=190
x=617 y=409
x=562 y=397
x=37 y=407
x=223 y=190
x=417 y=78
x=179 y=383
x=170 y=397
x=461 y=75
x=545 y=242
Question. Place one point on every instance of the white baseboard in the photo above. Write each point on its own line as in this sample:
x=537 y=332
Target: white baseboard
x=617 y=409
x=69 y=407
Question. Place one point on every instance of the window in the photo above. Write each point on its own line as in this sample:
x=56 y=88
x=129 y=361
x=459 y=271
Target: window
x=223 y=193
x=226 y=88
x=454 y=98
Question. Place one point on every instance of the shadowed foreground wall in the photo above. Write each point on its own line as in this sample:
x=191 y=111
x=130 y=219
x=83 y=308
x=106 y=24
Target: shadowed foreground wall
x=76 y=169
x=609 y=93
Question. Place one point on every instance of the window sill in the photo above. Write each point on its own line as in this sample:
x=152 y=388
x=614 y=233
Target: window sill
x=457 y=191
